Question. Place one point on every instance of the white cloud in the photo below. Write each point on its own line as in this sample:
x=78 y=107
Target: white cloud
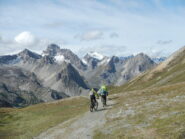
x=26 y=38
x=138 y=23
x=90 y=35
x=22 y=41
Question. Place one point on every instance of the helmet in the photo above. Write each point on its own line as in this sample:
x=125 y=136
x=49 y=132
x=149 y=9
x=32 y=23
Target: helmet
x=104 y=87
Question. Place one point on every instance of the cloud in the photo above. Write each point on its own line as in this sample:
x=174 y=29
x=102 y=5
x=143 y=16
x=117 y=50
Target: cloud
x=139 y=23
x=26 y=38
x=161 y=42
x=90 y=35
x=114 y=35
x=21 y=41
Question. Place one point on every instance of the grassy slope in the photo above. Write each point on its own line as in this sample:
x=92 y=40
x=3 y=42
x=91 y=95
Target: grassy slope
x=150 y=106
x=150 y=113
x=30 y=121
x=173 y=72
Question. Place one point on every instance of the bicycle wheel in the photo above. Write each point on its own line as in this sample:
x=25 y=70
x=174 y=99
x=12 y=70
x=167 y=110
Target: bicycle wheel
x=91 y=108
x=103 y=101
x=96 y=105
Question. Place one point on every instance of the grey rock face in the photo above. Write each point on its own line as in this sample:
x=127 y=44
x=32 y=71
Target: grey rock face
x=71 y=81
x=21 y=88
x=47 y=60
x=54 y=50
x=134 y=67
x=8 y=59
x=117 y=71
x=53 y=78
x=27 y=54
x=92 y=62
x=24 y=56
x=105 y=71
x=112 y=64
x=61 y=77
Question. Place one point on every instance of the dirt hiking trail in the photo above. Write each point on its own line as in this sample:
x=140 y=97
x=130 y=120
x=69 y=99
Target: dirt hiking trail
x=80 y=127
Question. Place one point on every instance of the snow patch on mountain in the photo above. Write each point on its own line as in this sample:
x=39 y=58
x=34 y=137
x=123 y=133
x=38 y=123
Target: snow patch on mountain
x=84 y=61
x=159 y=59
x=96 y=55
x=104 y=61
x=60 y=58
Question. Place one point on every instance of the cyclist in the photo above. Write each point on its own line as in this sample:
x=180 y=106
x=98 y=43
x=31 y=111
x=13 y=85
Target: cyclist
x=93 y=95
x=103 y=93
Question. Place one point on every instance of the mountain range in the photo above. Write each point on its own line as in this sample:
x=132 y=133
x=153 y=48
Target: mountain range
x=30 y=78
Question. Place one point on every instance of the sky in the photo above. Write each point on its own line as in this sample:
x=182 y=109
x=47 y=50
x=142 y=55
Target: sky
x=110 y=27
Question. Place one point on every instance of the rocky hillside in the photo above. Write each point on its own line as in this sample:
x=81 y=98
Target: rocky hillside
x=21 y=88
x=135 y=66
x=57 y=68
x=169 y=72
x=60 y=55
x=115 y=70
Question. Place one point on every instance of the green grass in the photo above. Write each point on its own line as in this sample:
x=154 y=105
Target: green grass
x=30 y=121
x=158 y=113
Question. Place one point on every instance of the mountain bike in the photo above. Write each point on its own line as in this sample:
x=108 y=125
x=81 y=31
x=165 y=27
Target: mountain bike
x=93 y=106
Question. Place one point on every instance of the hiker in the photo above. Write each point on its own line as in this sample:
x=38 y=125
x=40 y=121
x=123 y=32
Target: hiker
x=103 y=92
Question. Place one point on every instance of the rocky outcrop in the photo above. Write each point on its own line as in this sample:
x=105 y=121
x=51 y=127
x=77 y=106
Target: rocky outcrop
x=53 y=50
x=21 y=88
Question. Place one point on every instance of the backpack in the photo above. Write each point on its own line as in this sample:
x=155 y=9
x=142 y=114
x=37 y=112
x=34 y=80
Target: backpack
x=102 y=92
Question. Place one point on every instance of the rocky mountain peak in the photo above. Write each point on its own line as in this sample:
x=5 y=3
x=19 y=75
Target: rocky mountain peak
x=26 y=54
x=52 y=50
x=93 y=59
x=66 y=55
x=114 y=59
x=92 y=62
x=142 y=55
x=53 y=46
x=47 y=60
x=72 y=58
x=8 y=59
